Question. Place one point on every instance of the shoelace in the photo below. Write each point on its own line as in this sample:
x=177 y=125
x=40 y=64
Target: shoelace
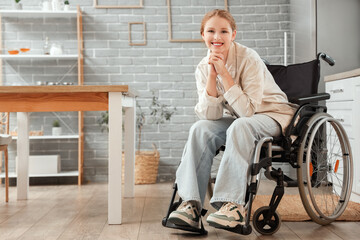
x=184 y=205
x=226 y=207
x=188 y=207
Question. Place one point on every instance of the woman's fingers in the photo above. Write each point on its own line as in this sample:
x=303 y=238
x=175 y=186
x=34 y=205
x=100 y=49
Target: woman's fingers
x=217 y=55
x=214 y=59
x=218 y=66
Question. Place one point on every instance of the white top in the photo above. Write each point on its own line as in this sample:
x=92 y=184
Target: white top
x=255 y=90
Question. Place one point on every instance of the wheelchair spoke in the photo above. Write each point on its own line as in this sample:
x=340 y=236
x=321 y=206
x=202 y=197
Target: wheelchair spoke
x=262 y=223
x=326 y=159
x=272 y=223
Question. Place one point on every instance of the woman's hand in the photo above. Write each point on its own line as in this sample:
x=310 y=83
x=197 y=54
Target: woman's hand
x=212 y=71
x=218 y=63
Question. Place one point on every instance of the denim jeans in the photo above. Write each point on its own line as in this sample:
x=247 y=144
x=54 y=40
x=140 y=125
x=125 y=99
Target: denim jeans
x=205 y=137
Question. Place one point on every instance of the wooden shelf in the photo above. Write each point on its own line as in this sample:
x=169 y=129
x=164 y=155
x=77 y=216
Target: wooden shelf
x=37 y=13
x=51 y=137
x=39 y=56
x=60 y=174
x=78 y=56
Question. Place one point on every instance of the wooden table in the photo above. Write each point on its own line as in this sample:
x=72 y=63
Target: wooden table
x=25 y=99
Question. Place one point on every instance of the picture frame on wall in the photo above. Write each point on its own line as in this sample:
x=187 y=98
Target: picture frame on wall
x=131 y=42
x=170 y=22
x=97 y=5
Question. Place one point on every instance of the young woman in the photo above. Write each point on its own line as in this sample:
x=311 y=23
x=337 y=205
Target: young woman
x=231 y=79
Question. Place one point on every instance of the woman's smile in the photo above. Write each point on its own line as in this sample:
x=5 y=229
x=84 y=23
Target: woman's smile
x=218 y=35
x=217 y=44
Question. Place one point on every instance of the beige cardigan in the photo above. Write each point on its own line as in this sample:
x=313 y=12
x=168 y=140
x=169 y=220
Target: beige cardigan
x=255 y=90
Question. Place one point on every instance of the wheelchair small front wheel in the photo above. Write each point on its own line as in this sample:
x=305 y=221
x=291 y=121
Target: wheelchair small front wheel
x=265 y=225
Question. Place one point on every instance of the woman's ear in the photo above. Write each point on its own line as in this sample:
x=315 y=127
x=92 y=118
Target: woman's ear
x=233 y=35
x=202 y=35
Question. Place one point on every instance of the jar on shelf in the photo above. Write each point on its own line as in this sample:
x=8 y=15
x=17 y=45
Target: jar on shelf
x=46 y=48
x=17 y=5
x=56 y=49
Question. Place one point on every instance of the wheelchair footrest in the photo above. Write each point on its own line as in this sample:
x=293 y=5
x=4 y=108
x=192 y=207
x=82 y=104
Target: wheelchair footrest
x=240 y=229
x=200 y=231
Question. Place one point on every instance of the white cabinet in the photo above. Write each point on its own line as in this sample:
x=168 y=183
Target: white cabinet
x=344 y=105
x=76 y=15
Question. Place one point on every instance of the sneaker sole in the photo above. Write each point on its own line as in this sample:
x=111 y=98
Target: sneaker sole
x=219 y=223
x=182 y=221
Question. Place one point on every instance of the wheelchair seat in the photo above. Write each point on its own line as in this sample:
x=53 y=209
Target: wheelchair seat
x=314 y=143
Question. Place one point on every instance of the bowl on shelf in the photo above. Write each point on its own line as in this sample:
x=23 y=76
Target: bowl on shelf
x=13 y=51
x=24 y=49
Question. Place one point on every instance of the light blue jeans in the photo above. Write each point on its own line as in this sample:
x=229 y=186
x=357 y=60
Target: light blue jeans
x=205 y=137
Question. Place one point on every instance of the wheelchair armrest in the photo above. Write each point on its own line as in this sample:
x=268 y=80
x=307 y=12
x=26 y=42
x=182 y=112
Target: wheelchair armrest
x=309 y=99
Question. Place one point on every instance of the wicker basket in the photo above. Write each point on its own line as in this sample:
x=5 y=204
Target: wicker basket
x=146 y=167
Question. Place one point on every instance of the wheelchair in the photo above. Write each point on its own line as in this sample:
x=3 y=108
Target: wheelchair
x=315 y=144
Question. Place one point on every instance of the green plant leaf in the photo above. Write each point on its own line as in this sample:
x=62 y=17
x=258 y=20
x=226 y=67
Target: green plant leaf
x=159 y=114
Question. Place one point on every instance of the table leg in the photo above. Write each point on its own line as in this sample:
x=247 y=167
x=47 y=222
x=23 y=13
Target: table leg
x=23 y=155
x=130 y=122
x=115 y=155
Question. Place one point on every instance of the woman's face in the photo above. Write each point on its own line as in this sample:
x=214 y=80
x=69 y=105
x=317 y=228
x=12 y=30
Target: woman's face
x=218 y=35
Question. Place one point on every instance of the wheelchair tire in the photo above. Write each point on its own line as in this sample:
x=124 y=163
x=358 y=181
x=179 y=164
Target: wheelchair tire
x=325 y=175
x=263 y=227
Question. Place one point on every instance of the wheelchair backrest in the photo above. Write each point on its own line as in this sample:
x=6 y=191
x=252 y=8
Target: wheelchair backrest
x=297 y=80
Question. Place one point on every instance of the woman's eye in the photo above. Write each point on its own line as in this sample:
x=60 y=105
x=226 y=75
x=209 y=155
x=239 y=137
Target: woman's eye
x=224 y=31
x=211 y=31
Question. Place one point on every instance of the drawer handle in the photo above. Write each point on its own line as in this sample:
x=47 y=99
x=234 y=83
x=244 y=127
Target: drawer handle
x=340 y=90
x=340 y=119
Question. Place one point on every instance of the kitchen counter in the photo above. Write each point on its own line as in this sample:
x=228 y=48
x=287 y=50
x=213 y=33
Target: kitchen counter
x=343 y=105
x=343 y=75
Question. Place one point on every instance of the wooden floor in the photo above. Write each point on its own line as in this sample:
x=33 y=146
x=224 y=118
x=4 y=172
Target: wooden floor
x=72 y=212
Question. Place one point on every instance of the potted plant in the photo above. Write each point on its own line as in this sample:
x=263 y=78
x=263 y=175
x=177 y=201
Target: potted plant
x=146 y=162
x=17 y=5
x=66 y=5
x=56 y=128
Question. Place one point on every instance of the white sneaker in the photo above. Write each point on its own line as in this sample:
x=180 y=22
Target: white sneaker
x=186 y=215
x=229 y=215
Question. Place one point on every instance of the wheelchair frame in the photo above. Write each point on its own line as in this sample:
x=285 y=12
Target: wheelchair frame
x=305 y=124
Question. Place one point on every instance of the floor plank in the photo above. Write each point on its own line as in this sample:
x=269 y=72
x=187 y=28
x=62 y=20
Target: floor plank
x=91 y=220
x=344 y=230
x=58 y=219
x=72 y=212
x=132 y=213
x=313 y=231
x=30 y=212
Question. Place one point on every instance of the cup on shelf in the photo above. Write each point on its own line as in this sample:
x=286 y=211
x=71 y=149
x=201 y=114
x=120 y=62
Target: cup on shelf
x=17 y=6
x=40 y=83
x=46 y=5
x=52 y=83
x=56 y=49
x=56 y=5
x=67 y=83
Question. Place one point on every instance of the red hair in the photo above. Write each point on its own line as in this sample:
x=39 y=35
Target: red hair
x=221 y=13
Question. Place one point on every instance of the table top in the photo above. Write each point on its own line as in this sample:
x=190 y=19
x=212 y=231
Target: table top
x=68 y=89
x=343 y=75
x=59 y=98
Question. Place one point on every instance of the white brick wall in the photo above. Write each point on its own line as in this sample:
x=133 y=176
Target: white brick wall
x=161 y=65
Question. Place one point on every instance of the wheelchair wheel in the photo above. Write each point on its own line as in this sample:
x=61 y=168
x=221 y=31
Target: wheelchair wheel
x=325 y=174
x=266 y=227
